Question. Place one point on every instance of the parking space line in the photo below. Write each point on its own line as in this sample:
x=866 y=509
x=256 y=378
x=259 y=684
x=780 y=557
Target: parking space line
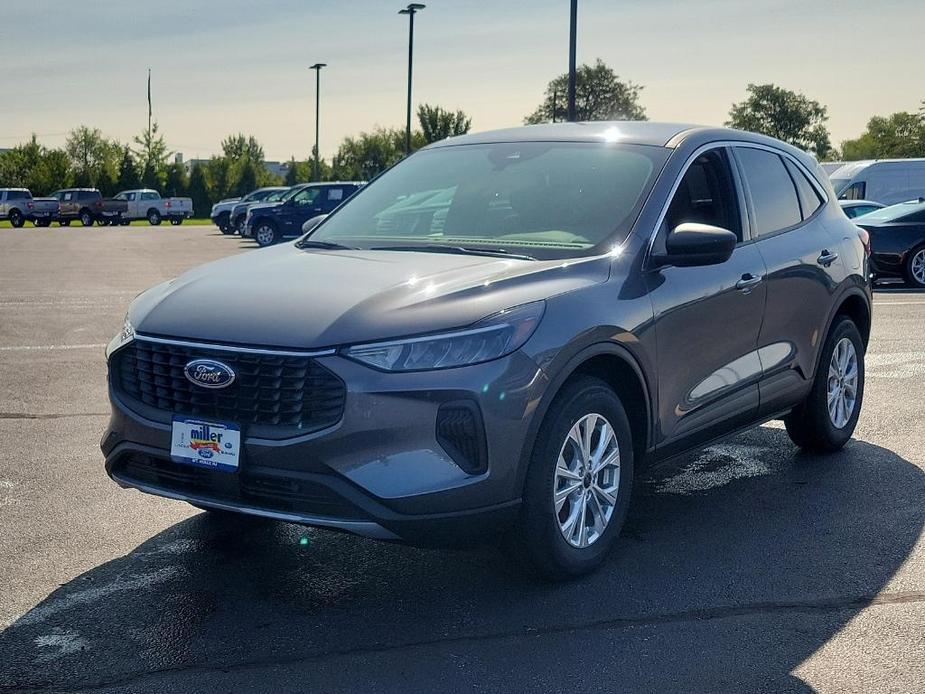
x=899 y=303
x=51 y=348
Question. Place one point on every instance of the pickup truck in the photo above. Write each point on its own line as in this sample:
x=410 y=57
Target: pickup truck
x=148 y=204
x=18 y=206
x=83 y=204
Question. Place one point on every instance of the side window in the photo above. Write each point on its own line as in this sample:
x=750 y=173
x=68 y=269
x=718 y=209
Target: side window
x=917 y=217
x=809 y=197
x=856 y=191
x=706 y=195
x=306 y=196
x=148 y=196
x=774 y=196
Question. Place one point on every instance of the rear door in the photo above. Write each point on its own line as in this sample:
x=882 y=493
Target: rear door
x=707 y=319
x=803 y=265
x=304 y=205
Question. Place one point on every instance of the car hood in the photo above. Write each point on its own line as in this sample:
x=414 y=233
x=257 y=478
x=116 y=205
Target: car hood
x=309 y=299
x=261 y=206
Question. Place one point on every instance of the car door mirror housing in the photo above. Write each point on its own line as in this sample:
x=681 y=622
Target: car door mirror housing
x=691 y=244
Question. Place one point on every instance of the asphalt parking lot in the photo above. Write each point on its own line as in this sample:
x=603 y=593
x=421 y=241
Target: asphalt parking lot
x=745 y=567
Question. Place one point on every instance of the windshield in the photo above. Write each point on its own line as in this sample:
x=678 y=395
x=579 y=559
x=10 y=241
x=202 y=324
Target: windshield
x=288 y=194
x=543 y=199
x=277 y=195
x=893 y=213
x=256 y=195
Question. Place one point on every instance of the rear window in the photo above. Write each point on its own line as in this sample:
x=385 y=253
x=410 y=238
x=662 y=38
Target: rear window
x=773 y=194
x=90 y=195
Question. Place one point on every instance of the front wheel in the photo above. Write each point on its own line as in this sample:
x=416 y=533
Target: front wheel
x=42 y=222
x=86 y=219
x=266 y=233
x=578 y=485
x=64 y=222
x=17 y=220
x=825 y=421
x=915 y=268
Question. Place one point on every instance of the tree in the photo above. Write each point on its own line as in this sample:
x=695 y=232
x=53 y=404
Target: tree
x=599 y=95
x=784 y=114
x=91 y=155
x=241 y=146
x=128 y=171
x=152 y=154
x=247 y=178
x=292 y=173
x=438 y=123
x=198 y=190
x=896 y=136
x=176 y=183
x=366 y=155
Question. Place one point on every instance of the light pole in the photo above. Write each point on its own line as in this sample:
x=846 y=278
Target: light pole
x=317 y=68
x=573 y=20
x=410 y=10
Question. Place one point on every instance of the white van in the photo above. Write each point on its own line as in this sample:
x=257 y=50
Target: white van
x=887 y=181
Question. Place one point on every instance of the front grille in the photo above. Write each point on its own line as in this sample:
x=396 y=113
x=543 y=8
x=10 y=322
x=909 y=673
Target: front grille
x=275 y=493
x=275 y=396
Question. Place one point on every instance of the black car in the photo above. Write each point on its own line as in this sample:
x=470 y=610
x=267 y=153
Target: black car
x=492 y=336
x=897 y=240
x=271 y=222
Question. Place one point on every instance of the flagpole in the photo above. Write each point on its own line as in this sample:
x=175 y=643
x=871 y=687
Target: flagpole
x=149 y=105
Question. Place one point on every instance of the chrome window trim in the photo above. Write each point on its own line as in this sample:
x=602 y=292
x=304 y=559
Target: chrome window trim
x=235 y=348
x=724 y=144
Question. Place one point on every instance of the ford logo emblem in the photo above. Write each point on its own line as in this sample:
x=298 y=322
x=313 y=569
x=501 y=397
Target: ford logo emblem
x=209 y=373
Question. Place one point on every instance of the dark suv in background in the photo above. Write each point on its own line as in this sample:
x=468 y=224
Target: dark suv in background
x=83 y=204
x=269 y=223
x=494 y=335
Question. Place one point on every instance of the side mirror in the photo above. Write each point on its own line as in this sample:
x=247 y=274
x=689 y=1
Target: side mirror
x=691 y=244
x=310 y=224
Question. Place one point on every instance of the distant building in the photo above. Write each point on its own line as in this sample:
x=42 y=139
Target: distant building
x=277 y=168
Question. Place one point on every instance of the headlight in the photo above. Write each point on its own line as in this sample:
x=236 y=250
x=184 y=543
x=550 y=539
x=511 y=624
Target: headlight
x=126 y=335
x=491 y=338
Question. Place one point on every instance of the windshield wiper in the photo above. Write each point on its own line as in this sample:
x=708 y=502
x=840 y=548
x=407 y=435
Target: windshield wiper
x=460 y=250
x=326 y=245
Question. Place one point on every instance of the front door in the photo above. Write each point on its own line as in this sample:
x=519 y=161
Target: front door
x=707 y=319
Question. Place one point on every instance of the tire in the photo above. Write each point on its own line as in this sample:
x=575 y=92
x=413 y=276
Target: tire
x=17 y=220
x=154 y=218
x=176 y=221
x=86 y=218
x=42 y=222
x=237 y=226
x=266 y=233
x=541 y=533
x=64 y=222
x=914 y=268
x=224 y=224
x=103 y=222
x=124 y=222
x=811 y=425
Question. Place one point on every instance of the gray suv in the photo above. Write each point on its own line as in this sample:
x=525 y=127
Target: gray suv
x=494 y=336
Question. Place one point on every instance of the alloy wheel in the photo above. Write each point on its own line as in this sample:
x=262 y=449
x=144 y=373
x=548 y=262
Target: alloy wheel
x=587 y=479
x=917 y=266
x=842 y=391
x=265 y=234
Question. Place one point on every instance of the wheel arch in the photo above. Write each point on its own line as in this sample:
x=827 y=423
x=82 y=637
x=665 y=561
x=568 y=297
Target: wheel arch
x=618 y=367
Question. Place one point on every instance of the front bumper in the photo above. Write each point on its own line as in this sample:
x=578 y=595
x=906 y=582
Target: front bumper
x=379 y=472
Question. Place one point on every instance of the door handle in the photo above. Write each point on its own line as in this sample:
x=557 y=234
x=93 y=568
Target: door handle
x=747 y=283
x=827 y=258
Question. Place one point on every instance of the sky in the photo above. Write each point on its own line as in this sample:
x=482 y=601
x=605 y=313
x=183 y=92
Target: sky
x=225 y=66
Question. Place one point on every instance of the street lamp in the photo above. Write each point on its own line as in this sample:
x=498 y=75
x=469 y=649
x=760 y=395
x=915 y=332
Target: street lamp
x=317 y=68
x=410 y=10
x=573 y=21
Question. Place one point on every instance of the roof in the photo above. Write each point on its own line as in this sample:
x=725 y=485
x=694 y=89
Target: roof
x=631 y=132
